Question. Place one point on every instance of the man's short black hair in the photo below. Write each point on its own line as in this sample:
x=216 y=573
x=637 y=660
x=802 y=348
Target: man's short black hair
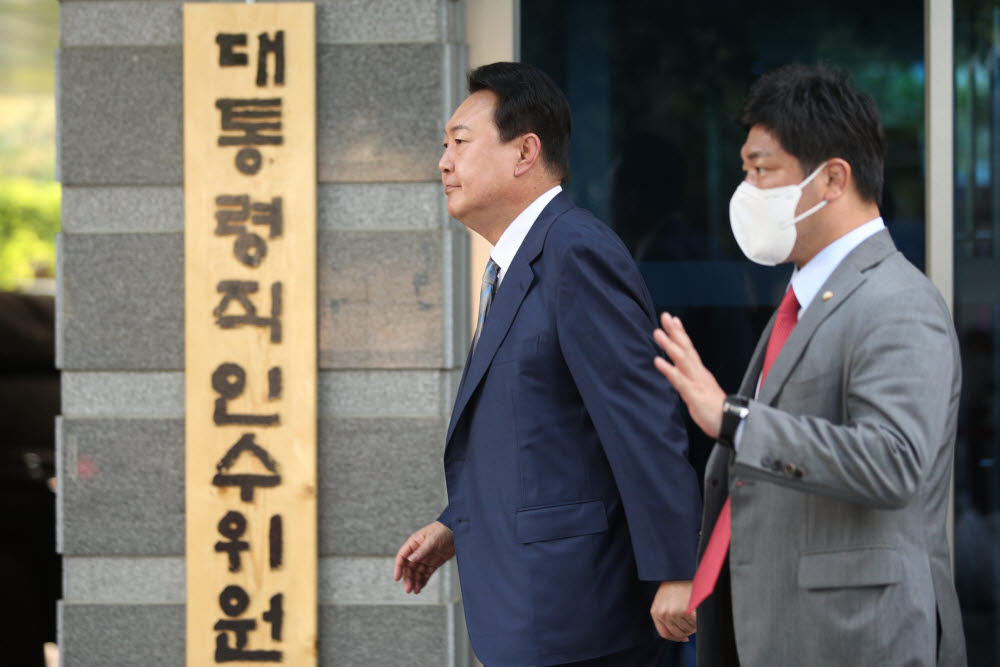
x=528 y=101
x=816 y=114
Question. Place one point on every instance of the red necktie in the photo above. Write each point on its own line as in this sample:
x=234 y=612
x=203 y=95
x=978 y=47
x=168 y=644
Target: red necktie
x=784 y=322
x=718 y=544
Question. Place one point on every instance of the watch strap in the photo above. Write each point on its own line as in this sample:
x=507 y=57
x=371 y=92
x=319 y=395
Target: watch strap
x=734 y=410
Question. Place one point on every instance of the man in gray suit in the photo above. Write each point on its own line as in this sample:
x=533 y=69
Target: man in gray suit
x=834 y=458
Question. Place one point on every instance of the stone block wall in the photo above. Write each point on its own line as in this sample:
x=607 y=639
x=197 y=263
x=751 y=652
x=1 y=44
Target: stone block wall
x=393 y=327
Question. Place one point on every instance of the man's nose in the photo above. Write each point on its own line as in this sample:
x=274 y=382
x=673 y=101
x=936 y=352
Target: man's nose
x=445 y=164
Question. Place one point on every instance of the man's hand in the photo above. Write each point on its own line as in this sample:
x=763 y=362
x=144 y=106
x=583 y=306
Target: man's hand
x=423 y=552
x=697 y=386
x=669 y=611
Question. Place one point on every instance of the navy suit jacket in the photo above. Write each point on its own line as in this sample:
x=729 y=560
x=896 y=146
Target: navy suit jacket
x=570 y=495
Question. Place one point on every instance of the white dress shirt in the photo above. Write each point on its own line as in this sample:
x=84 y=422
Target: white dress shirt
x=512 y=238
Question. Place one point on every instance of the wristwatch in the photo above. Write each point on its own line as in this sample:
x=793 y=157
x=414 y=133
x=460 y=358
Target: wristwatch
x=734 y=410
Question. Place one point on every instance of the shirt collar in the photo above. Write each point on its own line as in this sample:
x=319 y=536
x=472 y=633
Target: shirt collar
x=808 y=280
x=509 y=242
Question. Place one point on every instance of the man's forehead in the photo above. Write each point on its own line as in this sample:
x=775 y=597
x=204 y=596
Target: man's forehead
x=751 y=153
x=760 y=143
x=476 y=112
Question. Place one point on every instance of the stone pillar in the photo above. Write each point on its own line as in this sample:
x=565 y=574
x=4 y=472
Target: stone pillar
x=393 y=327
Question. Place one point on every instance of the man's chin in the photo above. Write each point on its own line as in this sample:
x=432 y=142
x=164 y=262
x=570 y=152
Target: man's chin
x=454 y=210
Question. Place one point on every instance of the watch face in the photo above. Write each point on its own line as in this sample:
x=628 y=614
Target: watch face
x=736 y=406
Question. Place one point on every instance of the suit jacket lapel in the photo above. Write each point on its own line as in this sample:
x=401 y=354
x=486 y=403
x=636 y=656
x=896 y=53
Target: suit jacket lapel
x=749 y=384
x=844 y=280
x=505 y=305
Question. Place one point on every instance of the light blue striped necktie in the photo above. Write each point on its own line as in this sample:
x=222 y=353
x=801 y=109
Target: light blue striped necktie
x=486 y=297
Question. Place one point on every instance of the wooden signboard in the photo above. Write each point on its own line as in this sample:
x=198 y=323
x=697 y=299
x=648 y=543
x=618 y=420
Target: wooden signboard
x=250 y=332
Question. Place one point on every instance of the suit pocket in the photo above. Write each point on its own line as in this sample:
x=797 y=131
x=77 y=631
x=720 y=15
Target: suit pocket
x=865 y=606
x=515 y=350
x=554 y=522
x=850 y=568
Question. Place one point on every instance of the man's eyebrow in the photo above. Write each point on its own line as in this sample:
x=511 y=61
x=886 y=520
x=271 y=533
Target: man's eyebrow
x=457 y=127
x=757 y=154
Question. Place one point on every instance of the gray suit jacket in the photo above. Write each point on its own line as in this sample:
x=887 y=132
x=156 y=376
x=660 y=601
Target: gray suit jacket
x=840 y=484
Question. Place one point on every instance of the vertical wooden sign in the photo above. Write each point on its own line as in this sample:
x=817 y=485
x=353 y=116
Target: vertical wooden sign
x=250 y=332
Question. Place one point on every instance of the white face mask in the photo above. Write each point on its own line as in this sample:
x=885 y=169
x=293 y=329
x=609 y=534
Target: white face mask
x=763 y=219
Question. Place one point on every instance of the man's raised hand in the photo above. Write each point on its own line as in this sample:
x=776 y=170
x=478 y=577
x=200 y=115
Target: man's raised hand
x=697 y=387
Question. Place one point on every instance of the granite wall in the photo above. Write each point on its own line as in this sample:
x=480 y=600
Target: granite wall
x=393 y=327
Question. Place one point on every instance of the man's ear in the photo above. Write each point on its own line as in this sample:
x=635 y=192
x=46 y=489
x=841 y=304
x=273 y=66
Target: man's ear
x=529 y=153
x=837 y=178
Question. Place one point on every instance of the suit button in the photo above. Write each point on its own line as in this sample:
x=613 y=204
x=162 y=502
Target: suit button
x=790 y=469
x=714 y=482
x=765 y=462
x=776 y=466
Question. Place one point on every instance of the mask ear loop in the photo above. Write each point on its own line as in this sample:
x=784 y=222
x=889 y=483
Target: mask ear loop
x=815 y=208
x=812 y=175
x=806 y=214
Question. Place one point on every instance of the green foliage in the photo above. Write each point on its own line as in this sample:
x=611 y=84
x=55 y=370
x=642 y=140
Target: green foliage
x=29 y=220
x=29 y=197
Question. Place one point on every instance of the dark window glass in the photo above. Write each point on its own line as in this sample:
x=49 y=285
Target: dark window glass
x=654 y=88
x=977 y=317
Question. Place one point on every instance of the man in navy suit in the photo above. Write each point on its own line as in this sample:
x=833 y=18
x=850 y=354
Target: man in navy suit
x=572 y=507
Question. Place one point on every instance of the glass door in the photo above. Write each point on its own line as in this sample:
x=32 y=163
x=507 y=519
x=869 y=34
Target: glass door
x=654 y=88
x=977 y=318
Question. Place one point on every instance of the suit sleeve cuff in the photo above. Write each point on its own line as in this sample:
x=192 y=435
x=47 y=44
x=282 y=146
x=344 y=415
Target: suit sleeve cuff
x=739 y=435
x=446 y=517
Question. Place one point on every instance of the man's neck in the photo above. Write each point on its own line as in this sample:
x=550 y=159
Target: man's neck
x=836 y=223
x=506 y=214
